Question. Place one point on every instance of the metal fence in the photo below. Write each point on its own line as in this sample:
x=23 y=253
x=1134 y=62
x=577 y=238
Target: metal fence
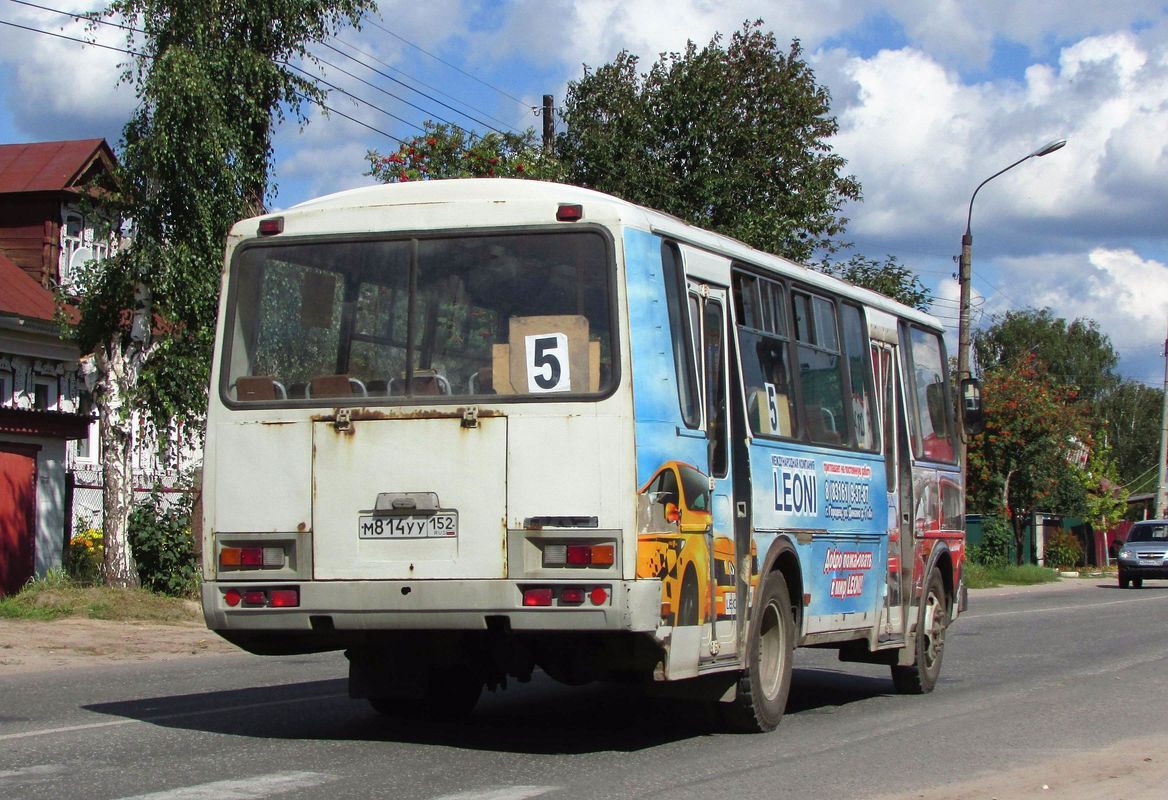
x=87 y=493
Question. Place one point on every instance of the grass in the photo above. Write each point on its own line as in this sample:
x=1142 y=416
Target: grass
x=982 y=577
x=56 y=596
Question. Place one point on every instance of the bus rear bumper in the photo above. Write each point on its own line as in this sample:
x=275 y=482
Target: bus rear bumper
x=329 y=613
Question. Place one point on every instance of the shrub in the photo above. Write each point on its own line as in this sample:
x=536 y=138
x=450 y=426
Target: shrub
x=160 y=535
x=1062 y=550
x=996 y=548
x=84 y=555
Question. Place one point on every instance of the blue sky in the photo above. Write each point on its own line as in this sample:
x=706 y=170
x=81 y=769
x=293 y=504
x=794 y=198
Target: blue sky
x=931 y=97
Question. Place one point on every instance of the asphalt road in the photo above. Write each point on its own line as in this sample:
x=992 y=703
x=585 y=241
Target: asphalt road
x=1027 y=676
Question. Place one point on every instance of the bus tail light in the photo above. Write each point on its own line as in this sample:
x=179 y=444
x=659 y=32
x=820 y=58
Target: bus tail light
x=579 y=555
x=537 y=597
x=255 y=597
x=234 y=558
x=252 y=597
x=284 y=598
x=572 y=596
x=565 y=596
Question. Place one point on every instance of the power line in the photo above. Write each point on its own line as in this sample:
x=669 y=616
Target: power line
x=349 y=94
x=441 y=60
x=389 y=93
x=88 y=17
x=74 y=39
x=422 y=83
x=301 y=95
x=346 y=116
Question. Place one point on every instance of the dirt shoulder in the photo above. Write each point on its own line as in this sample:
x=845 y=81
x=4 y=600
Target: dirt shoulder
x=74 y=642
x=1135 y=769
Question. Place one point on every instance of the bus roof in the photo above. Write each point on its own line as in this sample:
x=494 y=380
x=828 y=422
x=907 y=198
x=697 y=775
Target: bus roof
x=444 y=204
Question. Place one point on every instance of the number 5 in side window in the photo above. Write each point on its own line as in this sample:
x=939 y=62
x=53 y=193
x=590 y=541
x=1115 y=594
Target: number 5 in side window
x=547 y=363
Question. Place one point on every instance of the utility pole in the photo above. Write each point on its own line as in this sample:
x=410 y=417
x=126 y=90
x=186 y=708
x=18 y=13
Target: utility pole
x=549 y=125
x=1162 y=485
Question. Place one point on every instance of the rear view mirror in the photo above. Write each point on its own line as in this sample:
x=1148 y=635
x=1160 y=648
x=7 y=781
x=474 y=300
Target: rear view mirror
x=972 y=415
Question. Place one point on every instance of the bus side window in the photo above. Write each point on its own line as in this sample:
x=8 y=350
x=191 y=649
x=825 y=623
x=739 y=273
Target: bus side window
x=766 y=374
x=820 y=379
x=932 y=412
x=679 y=334
x=856 y=347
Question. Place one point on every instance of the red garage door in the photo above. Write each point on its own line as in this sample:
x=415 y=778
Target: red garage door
x=17 y=515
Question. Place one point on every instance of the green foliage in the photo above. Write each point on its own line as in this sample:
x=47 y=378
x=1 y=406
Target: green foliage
x=732 y=137
x=211 y=77
x=56 y=596
x=83 y=557
x=979 y=577
x=160 y=534
x=1062 y=550
x=1076 y=355
x=445 y=151
x=890 y=278
x=996 y=548
x=1131 y=416
x=1020 y=460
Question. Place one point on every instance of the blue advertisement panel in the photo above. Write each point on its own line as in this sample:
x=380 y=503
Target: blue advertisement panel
x=838 y=499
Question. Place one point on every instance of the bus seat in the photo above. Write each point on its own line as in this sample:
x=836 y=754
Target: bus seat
x=258 y=388
x=821 y=424
x=426 y=382
x=480 y=381
x=335 y=386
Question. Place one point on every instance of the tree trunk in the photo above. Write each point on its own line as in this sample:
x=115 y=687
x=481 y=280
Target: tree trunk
x=117 y=367
x=118 y=568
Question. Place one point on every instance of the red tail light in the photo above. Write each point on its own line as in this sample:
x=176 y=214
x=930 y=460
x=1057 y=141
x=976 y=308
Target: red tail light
x=284 y=598
x=537 y=597
x=572 y=596
x=254 y=597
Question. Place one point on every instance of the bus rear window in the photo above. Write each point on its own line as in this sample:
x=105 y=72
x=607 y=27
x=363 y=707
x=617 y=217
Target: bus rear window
x=516 y=315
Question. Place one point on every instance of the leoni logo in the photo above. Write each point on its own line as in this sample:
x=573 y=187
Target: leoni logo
x=796 y=488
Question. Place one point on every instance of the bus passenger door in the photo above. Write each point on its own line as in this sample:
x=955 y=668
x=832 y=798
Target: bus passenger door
x=898 y=484
x=720 y=602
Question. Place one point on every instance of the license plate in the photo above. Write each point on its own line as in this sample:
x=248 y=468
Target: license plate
x=1148 y=562
x=442 y=525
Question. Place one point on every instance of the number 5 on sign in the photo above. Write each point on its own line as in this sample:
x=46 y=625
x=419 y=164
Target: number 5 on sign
x=547 y=363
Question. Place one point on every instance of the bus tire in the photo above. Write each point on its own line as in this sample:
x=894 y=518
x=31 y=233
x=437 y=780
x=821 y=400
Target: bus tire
x=932 y=621
x=687 y=603
x=450 y=694
x=761 y=696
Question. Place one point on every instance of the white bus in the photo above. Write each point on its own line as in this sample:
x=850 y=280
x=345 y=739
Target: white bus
x=464 y=429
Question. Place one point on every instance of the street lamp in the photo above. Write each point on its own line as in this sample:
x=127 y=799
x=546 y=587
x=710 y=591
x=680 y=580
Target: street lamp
x=963 y=281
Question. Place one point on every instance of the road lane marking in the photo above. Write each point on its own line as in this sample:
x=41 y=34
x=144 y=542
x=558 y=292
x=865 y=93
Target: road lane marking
x=253 y=788
x=33 y=774
x=165 y=717
x=1078 y=607
x=506 y=793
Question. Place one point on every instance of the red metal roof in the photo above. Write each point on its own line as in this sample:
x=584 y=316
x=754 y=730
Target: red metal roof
x=22 y=296
x=49 y=166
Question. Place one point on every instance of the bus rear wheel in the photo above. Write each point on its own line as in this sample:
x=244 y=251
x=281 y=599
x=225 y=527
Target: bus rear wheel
x=932 y=621
x=761 y=696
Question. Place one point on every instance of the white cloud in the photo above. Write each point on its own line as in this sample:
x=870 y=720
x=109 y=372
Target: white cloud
x=920 y=140
x=1126 y=294
x=63 y=89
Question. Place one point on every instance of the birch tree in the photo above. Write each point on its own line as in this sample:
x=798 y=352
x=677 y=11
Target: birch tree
x=211 y=79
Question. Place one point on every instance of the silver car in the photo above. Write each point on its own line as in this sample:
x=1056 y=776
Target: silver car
x=1144 y=554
